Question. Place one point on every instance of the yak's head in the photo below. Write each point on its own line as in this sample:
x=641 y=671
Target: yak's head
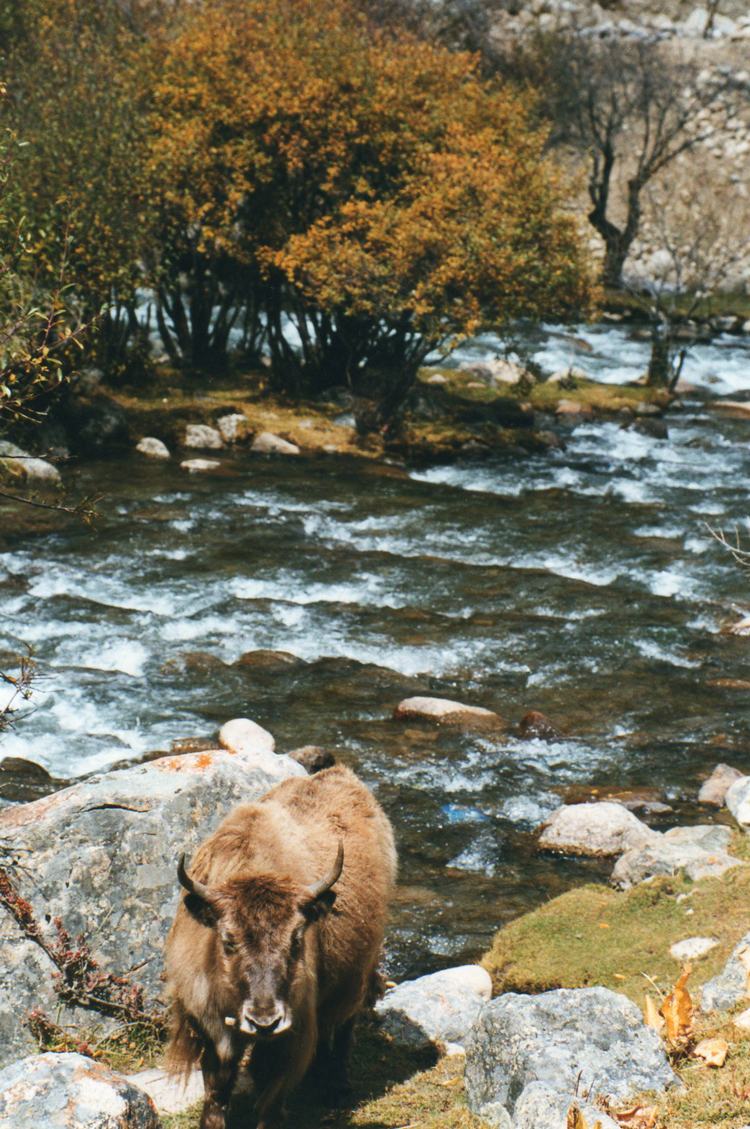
x=261 y=924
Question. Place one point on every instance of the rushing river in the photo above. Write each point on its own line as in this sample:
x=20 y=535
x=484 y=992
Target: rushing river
x=583 y=583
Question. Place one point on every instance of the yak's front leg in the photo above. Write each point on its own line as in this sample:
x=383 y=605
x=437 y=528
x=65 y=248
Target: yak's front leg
x=218 y=1081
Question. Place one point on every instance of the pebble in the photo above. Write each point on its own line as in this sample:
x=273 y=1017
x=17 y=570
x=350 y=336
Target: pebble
x=692 y=948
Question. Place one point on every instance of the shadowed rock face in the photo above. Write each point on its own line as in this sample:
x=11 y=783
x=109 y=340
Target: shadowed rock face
x=102 y=856
x=60 y=1091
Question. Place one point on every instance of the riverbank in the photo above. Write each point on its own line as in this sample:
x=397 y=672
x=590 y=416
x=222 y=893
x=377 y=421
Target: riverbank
x=450 y=413
x=589 y=936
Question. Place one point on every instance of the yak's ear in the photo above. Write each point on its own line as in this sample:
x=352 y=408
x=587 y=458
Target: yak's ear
x=317 y=908
x=201 y=910
x=200 y=900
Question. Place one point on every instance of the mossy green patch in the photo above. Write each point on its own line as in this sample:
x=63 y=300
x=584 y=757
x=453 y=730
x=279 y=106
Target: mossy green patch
x=595 y=935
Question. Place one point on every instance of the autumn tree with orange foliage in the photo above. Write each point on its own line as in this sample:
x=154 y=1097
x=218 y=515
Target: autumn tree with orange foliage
x=365 y=193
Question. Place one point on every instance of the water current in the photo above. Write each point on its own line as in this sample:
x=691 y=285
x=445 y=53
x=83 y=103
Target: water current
x=583 y=583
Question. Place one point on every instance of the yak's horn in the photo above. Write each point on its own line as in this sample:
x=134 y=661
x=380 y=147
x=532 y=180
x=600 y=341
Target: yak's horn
x=333 y=875
x=191 y=884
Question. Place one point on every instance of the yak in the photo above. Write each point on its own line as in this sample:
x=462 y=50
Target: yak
x=276 y=941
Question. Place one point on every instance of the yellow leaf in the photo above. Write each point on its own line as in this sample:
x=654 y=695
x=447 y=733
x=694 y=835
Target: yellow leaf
x=651 y=1015
x=639 y=1117
x=714 y=1051
x=677 y=1010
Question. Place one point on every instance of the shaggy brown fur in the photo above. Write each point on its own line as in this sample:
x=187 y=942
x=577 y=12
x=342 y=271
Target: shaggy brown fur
x=259 y=945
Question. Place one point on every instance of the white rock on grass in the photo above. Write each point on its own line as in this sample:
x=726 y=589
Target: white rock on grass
x=541 y=1108
x=198 y=466
x=738 y=801
x=169 y=1093
x=203 y=437
x=437 y=378
x=232 y=427
x=444 y=710
x=25 y=467
x=698 y=851
x=572 y=1040
x=742 y=1021
x=102 y=855
x=439 y=1008
x=714 y=789
x=242 y=735
x=70 y=1091
x=602 y=828
x=269 y=444
x=692 y=948
x=729 y=988
x=152 y=447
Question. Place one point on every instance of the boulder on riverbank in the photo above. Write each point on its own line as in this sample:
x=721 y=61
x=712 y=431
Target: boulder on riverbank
x=153 y=448
x=202 y=437
x=597 y=829
x=438 y=1008
x=269 y=444
x=572 y=1040
x=714 y=790
x=738 y=801
x=541 y=1108
x=730 y=987
x=18 y=466
x=700 y=851
x=70 y=1091
x=102 y=856
x=444 y=711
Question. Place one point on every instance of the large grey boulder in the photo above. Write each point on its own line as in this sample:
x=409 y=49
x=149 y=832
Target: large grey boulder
x=729 y=988
x=69 y=1091
x=700 y=851
x=541 y=1108
x=602 y=828
x=439 y=1008
x=102 y=856
x=572 y=1040
x=738 y=801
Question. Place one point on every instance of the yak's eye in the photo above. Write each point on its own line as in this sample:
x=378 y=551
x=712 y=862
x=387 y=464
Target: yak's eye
x=230 y=946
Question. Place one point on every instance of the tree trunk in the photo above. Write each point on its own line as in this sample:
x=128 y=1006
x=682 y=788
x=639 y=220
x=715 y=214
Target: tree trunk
x=659 y=365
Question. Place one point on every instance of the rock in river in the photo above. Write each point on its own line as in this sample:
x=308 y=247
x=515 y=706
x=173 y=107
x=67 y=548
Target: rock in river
x=447 y=712
x=439 y=1008
x=738 y=801
x=242 y=735
x=594 y=829
x=700 y=851
x=70 y=1091
x=572 y=1040
x=102 y=856
x=714 y=790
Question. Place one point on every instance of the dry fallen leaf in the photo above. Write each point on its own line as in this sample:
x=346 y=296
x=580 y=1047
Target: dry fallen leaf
x=639 y=1117
x=576 y=1120
x=651 y=1015
x=714 y=1051
x=603 y=925
x=677 y=1010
